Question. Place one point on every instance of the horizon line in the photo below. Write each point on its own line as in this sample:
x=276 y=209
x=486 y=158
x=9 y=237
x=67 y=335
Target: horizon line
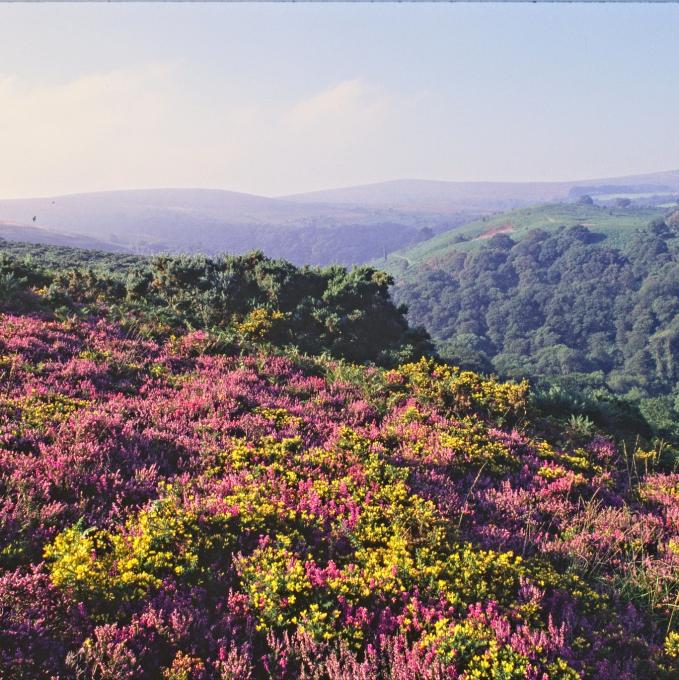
x=277 y=197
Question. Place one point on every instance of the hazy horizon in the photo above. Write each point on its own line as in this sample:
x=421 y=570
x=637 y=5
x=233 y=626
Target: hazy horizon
x=282 y=99
x=124 y=189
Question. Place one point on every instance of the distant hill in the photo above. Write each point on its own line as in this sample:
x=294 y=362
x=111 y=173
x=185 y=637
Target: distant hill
x=345 y=226
x=438 y=196
x=211 y=221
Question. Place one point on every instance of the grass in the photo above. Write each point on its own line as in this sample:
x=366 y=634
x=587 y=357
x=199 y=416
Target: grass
x=616 y=224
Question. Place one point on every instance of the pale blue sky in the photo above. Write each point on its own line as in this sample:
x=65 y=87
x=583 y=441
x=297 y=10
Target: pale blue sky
x=279 y=98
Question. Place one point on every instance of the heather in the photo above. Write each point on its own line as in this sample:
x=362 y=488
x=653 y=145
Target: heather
x=172 y=508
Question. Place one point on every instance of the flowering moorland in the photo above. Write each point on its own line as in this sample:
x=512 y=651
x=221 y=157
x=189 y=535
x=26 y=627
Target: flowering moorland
x=171 y=513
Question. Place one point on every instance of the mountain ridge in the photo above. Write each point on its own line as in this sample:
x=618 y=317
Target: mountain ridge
x=452 y=191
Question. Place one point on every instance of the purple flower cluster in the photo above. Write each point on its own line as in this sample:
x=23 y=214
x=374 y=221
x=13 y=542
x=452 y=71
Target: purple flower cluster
x=168 y=513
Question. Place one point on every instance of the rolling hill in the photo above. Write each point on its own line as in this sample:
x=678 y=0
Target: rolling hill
x=27 y=234
x=347 y=226
x=211 y=221
x=577 y=298
x=447 y=197
x=615 y=225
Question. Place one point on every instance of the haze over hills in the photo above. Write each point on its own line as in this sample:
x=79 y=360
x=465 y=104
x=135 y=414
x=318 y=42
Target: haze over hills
x=349 y=226
x=29 y=234
x=212 y=221
x=155 y=212
x=440 y=196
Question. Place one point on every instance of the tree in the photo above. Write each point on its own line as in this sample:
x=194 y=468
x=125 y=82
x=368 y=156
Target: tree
x=425 y=234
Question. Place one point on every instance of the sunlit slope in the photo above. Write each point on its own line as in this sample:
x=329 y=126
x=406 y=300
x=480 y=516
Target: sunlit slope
x=615 y=224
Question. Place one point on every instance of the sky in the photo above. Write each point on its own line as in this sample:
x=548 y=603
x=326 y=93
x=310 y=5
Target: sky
x=283 y=98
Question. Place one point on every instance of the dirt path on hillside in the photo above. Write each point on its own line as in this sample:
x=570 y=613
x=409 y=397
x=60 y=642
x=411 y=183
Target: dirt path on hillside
x=504 y=229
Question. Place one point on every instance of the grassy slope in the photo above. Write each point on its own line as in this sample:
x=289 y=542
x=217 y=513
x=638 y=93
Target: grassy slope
x=51 y=256
x=31 y=234
x=615 y=224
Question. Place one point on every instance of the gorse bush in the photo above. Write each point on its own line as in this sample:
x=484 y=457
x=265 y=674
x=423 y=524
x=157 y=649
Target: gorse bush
x=347 y=314
x=190 y=504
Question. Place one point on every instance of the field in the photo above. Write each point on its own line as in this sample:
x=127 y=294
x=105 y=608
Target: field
x=615 y=224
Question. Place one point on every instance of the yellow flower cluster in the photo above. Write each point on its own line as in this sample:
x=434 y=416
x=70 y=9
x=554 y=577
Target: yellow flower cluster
x=76 y=564
x=476 y=448
x=97 y=355
x=162 y=540
x=276 y=583
x=473 y=575
x=280 y=417
x=671 y=645
x=463 y=391
x=258 y=324
x=476 y=647
x=38 y=411
x=550 y=473
x=473 y=646
x=578 y=461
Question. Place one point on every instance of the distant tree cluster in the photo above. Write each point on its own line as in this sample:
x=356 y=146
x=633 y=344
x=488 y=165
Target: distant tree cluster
x=344 y=244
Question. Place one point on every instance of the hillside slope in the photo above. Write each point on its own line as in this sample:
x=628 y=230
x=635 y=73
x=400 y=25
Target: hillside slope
x=617 y=225
x=174 y=511
x=29 y=234
x=589 y=308
x=193 y=488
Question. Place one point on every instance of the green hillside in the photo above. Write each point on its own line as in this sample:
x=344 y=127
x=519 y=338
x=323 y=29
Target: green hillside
x=616 y=224
x=590 y=305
